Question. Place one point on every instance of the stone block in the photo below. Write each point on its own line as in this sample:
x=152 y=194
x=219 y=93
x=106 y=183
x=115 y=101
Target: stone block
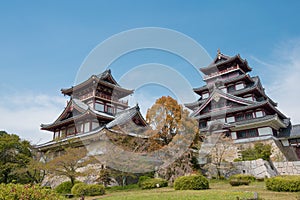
x=290 y=164
x=259 y=170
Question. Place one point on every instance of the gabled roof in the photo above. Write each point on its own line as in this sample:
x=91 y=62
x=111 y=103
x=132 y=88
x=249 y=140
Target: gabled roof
x=241 y=109
x=217 y=94
x=224 y=82
x=104 y=78
x=83 y=110
x=256 y=86
x=222 y=59
x=120 y=119
x=125 y=116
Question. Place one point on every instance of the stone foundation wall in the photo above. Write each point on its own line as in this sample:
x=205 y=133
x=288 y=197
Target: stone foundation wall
x=287 y=168
x=258 y=168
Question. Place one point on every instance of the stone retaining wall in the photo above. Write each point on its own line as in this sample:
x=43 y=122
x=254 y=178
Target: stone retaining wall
x=261 y=168
x=258 y=168
x=288 y=168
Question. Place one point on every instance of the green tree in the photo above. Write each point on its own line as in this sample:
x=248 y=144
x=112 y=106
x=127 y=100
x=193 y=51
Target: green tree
x=259 y=150
x=122 y=176
x=34 y=170
x=105 y=177
x=69 y=162
x=15 y=154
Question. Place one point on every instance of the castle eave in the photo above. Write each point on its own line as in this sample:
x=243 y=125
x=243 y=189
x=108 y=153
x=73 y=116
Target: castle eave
x=267 y=121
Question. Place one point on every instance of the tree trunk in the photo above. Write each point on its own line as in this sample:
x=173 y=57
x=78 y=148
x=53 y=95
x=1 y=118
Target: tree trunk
x=124 y=181
x=72 y=180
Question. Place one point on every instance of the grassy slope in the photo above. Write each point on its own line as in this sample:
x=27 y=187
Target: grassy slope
x=218 y=191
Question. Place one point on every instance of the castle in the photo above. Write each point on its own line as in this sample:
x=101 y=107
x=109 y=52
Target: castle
x=231 y=102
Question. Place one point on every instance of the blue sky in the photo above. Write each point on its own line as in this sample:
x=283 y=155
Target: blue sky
x=43 y=44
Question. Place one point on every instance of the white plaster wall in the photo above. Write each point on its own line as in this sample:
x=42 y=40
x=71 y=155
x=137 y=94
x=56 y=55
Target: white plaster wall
x=233 y=135
x=265 y=131
x=285 y=143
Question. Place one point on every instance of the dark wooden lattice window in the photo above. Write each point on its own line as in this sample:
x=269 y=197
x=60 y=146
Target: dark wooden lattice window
x=202 y=124
x=248 y=115
x=247 y=133
x=239 y=117
x=231 y=88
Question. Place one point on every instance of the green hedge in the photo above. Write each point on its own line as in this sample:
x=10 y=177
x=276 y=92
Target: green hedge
x=65 y=187
x=142 y=179
x=283 y=183
x=238 y=182
x=246 y=177
x=153 y=183
x=80 y=189
x=193 y=182
x=32 y=192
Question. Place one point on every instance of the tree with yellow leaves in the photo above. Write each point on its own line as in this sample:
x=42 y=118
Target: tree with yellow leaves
x=165 y=117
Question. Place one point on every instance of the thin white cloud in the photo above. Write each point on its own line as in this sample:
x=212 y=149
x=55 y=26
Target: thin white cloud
x=23 y=113
x=284 y=78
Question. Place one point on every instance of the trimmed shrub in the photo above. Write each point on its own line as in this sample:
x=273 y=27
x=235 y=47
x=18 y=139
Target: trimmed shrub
x=154 y=183
x=193 y=182
x=238 y=182
x=288 y=183
x=94 y=190
x=32 y=192
x=65 y=187
x=260 y=179
x=142 y=179
x=80 y=189
x=246 y=177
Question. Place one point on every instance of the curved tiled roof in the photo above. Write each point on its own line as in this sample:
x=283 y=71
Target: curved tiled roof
x=224 y=95
x=222 y=59
x=124 y=116
x=101 y=79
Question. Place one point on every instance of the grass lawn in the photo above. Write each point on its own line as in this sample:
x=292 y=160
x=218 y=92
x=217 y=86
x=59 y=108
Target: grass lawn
x=219 y=190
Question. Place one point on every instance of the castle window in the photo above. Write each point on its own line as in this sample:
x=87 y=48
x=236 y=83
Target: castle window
x=205 y=95
x=95 y=125
x=231 y=88
x=202 y=124
x=259 y=113
x=86 y=127
x=230 y=119
x=247 y=133
x=110 y=109
x=56 y=134
x=99 y=106
x=78 y=128
x=63 y=132
x=239 y=86
x=239 y=117
x=71 y=130
x=248 y=115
